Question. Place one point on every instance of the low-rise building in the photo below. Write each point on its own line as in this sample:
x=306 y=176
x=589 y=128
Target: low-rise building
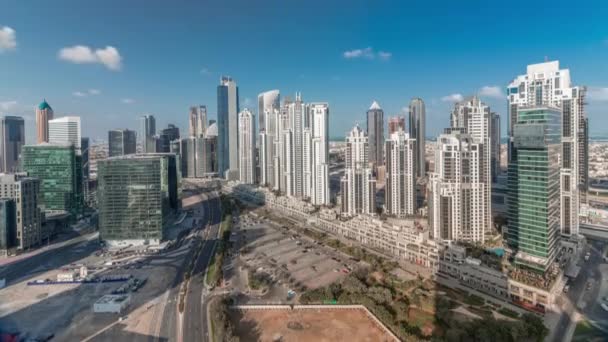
x=111 y=303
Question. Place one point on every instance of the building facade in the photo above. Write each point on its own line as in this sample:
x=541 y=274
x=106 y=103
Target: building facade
x=246 y=147
x=44 y=113
x=25 y=191
x=319 y=153
x=358 y=185
x=12 y=139
x=375 y=135
x=268 y=105
x=166 y=136
x=65 y=131
x=121 y=142
x=8 y=225
x=495 y=146
x=197 y=121
x=534 y=187
x=395 y=124
x=139 y=215
x=227 y=124
x=417 y=130
x=400 y=191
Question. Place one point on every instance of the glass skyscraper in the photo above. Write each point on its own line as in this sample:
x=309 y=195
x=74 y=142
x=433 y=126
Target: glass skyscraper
x=533 y=187
x=227 y=123
x=12 y=139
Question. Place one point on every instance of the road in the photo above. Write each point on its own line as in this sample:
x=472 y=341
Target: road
x=590 y=306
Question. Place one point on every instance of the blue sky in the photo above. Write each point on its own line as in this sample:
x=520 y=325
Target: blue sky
x=168 y=55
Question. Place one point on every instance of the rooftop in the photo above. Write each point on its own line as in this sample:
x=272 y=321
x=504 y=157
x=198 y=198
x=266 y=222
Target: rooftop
x=44 y=105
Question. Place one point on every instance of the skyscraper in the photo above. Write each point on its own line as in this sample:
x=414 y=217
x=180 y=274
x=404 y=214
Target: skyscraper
x=198 y=121
x=533 y=186
x=400 y=198
x=395 y=124
x=545 y=84
x=246 y=147
x=268 y=103
x=44 y=113
x=457 y=189
x=227 y=122
x=8 y=225
x=358 y=185
x=417 y=130
x=121 y=142
x=298 y=121
x=65 y=131
x=166 y=136
x=12 y=138
x=375 y=135
x=495 y=146
x=147 y=131
x=319 y=150
x=59 y=170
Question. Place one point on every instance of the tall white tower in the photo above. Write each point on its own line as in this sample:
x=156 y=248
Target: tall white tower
x=319 y=150
x=268 y=103
x=246 y=151
x=400 y=175
x=358 y=185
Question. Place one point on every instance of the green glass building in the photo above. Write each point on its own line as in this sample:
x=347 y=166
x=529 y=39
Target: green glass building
x=60 y=172
x=8 y=225
x=533 y=187
x=136 y=194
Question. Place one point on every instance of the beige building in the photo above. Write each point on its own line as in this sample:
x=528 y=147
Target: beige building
x=44 y=113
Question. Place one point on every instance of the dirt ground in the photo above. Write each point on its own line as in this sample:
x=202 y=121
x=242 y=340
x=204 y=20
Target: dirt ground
x=314 y=325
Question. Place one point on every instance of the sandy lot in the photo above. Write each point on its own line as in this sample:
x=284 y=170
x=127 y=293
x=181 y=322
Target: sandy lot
x=314 y=325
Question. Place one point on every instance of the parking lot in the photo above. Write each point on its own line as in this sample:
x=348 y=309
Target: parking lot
x=290 y=260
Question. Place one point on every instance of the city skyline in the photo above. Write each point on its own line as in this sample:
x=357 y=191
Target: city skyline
x=116 y=79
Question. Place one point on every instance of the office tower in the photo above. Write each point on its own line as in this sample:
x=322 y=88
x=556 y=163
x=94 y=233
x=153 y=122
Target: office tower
x=60 y=171
x=545 y=84
x=358 y=185
x=319 y=153
x=533 y=186
x=166 y=136
x=400 y=196
x=395 y=124
x=417 y=130
x=121 y=142
x=12 y=138
x=8 y=225
x=457 y=189
x=282 y=146
x=147 y=132
x=198 y=121
x=227 y=123
x=375 y=135
x=191 y=156
x=65 y=131
x=495 y=146
x=268 y=103
x=25 y=191
x=44 y=113
x=84 y=147
x=138 y=216
x=246 y=147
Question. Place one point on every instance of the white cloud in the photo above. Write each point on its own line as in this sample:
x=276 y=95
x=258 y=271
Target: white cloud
x=87 y=93
x=127 y=101
x=367 y=53
x=383 y=55
x=492 y=91
x=8 y=39
x=80 y=54
x=7 y=105
x=204 y=71
x=597 y=94
x=452 y=98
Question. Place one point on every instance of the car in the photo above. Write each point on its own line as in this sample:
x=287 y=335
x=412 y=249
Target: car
x=604 y=306
x=566 y=288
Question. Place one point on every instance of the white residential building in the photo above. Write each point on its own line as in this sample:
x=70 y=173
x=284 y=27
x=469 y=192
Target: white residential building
x=65 y=131
x=246 y=150
x=358 y=186
x=319 y=120
x=545 y=84
x=198 y=121
x=456 y=203
x=268 y=103
x=400 y=197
